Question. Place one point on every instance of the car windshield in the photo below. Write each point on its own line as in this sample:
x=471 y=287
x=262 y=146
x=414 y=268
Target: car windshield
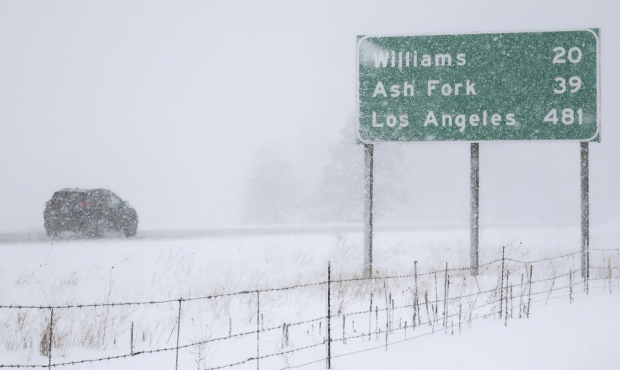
x=97 y=196
x=67 y=197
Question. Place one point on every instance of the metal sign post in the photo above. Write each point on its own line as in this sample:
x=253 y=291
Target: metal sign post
x=368 y=209
x=585 y=212
x=474 y=230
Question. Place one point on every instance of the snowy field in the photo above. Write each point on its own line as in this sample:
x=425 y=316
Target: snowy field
x=584 y=335
x=66 y=274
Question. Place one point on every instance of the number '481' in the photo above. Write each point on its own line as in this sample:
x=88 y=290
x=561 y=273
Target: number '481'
x=567 y=116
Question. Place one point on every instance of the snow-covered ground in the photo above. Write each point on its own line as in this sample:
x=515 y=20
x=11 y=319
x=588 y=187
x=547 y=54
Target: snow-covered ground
x=81 y=272
x=582 y=335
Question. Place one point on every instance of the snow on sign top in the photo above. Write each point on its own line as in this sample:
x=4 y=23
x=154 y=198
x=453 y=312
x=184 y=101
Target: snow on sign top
x=479 y=87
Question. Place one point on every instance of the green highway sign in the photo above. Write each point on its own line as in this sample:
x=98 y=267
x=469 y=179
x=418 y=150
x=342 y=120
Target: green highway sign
x=479 y=87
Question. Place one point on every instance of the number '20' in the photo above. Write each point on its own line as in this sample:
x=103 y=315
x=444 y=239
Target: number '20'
x=573 y=55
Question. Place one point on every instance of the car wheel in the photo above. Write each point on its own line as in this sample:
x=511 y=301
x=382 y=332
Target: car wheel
x=129 y=231
x=51 y=232
x=95 y=234
x=129 y=226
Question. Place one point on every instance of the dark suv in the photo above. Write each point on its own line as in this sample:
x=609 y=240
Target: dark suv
x=91 y=212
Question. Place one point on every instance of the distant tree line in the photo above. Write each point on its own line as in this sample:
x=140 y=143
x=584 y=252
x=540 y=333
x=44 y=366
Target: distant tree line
x=275 y=195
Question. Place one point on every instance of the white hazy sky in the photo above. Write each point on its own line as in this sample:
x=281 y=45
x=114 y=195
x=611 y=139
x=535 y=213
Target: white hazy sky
x=170 y=104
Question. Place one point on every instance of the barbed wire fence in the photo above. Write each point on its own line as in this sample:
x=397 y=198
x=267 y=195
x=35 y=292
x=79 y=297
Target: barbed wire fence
x=299 y=325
